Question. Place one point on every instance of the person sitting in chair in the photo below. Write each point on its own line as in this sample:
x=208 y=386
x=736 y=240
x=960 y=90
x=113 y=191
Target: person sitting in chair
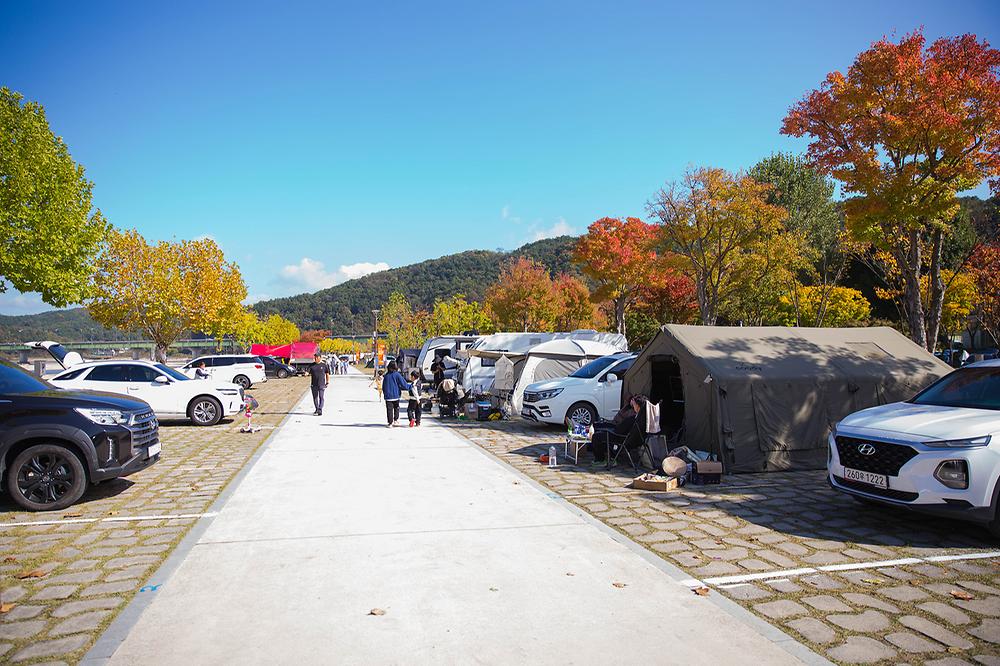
x=619 y=427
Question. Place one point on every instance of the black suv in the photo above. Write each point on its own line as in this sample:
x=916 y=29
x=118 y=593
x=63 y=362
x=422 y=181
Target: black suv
x=53 y=441
x=275 y=368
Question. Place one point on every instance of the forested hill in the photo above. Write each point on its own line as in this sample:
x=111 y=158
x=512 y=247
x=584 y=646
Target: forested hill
x=349 y=305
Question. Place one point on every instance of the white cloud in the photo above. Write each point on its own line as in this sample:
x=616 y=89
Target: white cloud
x=560 y=228
x=313 y=276
x=505 y=214
x=15 y=303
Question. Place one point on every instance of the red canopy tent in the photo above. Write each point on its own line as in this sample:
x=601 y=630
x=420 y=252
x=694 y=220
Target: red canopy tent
x=296 y=352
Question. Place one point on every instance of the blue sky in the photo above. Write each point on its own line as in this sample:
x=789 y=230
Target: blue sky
x=317 y=141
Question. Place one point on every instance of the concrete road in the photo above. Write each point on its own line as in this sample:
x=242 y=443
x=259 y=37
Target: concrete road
x=470 y=562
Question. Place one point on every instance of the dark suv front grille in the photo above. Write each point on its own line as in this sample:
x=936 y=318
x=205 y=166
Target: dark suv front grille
x=145 y=430
x=885 y=459
x=530 y=397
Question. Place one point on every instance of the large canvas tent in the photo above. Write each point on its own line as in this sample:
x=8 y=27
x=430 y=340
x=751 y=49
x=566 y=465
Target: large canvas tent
x=764 y=398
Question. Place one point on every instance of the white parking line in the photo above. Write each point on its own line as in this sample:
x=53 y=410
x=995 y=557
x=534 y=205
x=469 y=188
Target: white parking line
x=730 y=581
x=114 y=519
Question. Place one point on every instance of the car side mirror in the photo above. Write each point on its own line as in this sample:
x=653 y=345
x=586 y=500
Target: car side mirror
x=611 y=378
x=161 y=380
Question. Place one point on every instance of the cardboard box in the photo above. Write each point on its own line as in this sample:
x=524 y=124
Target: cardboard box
x=706 y=472
x=661 y=483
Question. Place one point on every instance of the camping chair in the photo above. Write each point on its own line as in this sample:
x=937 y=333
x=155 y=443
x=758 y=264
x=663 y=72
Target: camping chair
x=633 y=445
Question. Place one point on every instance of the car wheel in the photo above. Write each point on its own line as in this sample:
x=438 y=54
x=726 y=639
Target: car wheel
x=281 y=373
x=582 y=412
x=46 y=477
x=242 y=380
x=205 y=411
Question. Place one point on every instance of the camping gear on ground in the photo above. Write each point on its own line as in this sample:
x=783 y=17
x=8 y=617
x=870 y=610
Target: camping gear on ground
x=552 y=456
x=654 y=482
x=674 y=466
x=483 y=408
x=705 y=472
x=448 y=399
x=764 y=398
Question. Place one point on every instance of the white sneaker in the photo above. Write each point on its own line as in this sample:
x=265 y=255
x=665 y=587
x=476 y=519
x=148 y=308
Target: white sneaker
x=388 y=425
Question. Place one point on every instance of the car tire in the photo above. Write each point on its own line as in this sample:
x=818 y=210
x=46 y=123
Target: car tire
x=61 y=478
x=582 y=412
x=281 y=373
x=205 y=411
x=242 y=380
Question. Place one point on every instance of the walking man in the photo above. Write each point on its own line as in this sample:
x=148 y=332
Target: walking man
x=319 y=376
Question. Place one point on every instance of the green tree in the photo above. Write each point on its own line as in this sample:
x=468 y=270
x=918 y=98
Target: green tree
x=49 y=235
x=455 y=315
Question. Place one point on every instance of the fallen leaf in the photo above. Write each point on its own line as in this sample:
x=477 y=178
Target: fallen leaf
x=570 y=573
x=701 y=591
x=10 y=558
x=34 y=573
x=619 y=585
x=961 y=594
x=873 y=581
x=376 y=611
x=112 y=513
x=75 y=514
x=493 y=589
x=5 y=608
x=955 y=650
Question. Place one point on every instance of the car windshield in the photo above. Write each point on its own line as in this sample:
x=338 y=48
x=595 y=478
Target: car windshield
x=14 y=379
x=594 y=368
x=171 y=372
x=974 y=388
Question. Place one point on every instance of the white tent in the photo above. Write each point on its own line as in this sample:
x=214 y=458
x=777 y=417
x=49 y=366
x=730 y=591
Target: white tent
x=553 y=360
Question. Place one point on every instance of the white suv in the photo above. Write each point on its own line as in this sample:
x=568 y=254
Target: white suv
x=938 y=453
x=593 y=392
x=168 y=392
x=243 y=369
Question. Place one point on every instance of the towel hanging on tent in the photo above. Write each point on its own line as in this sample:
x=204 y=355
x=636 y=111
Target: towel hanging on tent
x=652 y=418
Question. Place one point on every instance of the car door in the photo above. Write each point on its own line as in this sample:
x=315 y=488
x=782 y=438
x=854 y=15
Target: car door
x=222 y=369
x=611 y=392
x=110 y=377
x=143 y=384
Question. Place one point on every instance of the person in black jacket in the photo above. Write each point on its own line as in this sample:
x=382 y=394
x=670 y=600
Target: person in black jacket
x=619 y=426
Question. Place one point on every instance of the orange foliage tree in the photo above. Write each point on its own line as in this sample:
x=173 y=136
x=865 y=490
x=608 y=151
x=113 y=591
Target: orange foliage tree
x=522 y=299
x=576 y=309
x=619 y=256
x=984 y=267
x=904 y=130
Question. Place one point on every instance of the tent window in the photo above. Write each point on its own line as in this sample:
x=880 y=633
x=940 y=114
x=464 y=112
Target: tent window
x=667 y=389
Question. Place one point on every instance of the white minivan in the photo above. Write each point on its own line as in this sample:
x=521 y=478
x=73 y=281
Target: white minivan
x=591 y=393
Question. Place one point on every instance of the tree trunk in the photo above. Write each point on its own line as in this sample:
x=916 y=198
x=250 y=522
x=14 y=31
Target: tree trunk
x=936 y=307
x=160 y=354
x=620 y=314
x=909 y=266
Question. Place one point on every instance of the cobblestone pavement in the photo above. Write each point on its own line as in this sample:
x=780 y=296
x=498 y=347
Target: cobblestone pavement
x=97 y=555
x=812 y=554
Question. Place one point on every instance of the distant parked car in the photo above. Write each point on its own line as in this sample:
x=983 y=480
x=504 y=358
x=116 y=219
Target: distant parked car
x=938 y=453
x=168 y=392
x=243 y=369
x=53 y=442
x=275 y=368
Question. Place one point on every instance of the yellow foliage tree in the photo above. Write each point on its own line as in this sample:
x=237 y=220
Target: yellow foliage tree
x=838 y=306
x=165 y=289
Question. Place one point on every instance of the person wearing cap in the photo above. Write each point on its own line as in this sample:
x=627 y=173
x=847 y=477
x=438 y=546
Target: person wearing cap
x=319 y=378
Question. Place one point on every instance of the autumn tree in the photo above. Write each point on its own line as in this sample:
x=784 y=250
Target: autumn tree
x=276 y=330
x=575 y=309
x=165 y=289
x=522 y=297
x=904 y=131
x=49 y=234
x=984 y=268
x=404 y=327
x=727 y=238
x=841 y=306
x=314 y=335
x=620 y=257
x=455 y=315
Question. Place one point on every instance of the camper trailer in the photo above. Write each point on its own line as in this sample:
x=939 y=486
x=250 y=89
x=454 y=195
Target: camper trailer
x=479 y=369
x=445 y=347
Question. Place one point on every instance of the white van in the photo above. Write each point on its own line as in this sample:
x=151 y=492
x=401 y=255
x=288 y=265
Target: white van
x=243 y=369
x=443 y=347
x=593 y=392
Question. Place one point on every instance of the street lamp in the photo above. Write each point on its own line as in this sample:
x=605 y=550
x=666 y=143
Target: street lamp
x=375 y=340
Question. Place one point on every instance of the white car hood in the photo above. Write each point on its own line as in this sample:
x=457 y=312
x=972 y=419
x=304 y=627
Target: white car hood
x=928 y=421
x=548 y=385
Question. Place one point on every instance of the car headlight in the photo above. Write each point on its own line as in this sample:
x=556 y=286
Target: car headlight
x=228 y=391
x=105 y=416
x=551 y=393
x=961 y=443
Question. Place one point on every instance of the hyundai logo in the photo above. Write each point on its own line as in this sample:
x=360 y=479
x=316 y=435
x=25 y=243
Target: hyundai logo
x=866 y=449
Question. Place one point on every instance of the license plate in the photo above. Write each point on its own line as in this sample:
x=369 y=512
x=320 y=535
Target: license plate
x=880 y=480
x=153 y=450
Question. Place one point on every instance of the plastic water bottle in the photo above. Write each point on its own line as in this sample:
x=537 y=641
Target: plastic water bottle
x=552 y=456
